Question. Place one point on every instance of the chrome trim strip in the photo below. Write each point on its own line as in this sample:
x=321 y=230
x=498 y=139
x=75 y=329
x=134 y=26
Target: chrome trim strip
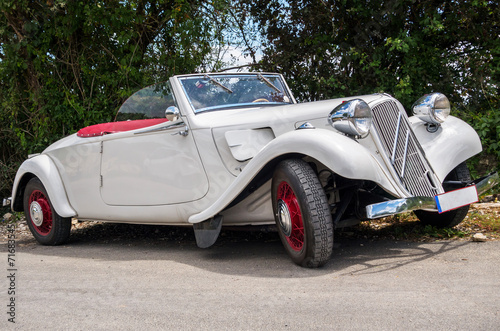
x=405 y=155
x=388 y=208
x=306 y=125
x=396 y=138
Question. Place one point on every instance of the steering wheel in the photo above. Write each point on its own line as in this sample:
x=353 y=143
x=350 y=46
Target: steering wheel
x=260 y=100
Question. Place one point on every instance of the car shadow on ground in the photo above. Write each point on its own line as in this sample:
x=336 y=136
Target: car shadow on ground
x=258 y=252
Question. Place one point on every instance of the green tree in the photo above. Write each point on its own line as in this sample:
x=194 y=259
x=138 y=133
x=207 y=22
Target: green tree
x=68 y=64
x=335 y=48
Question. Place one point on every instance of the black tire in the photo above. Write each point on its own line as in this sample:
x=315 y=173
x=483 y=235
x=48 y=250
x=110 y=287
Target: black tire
x=45 y=224
x=452 y=217
x=299 y=199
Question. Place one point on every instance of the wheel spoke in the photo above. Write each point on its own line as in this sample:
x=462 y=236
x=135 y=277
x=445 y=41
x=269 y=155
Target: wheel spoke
x=296 y=237
x=46 y=212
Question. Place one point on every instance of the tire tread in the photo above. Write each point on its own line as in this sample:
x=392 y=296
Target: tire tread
x=320 y=221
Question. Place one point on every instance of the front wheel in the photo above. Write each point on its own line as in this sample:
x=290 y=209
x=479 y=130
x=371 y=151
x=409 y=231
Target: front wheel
x=302 y=215
x=45 y=224
x=450 y=218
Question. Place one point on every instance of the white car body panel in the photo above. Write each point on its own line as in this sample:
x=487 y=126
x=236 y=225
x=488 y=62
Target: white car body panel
x=455 y=142
x=245 y=144
x=137 y=170
x=44 y=168
x=256 y=209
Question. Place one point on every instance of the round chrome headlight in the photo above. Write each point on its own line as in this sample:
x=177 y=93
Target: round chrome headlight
x=353 y=118
x=432 y=108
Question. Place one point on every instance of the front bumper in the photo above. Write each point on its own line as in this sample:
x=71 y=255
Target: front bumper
x=392 y=207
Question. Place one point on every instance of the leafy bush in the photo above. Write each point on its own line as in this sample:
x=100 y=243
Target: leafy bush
x=68 y=64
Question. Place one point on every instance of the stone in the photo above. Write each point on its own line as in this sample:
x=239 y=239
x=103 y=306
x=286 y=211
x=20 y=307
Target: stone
x=479 y=237
x=7 y=217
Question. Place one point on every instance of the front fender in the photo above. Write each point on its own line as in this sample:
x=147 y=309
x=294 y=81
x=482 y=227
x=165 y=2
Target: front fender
x=342 y=155
x=41 y=166
x=454 y=142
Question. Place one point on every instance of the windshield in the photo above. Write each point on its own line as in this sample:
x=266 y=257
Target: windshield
x=213 y=91
x=150 y=102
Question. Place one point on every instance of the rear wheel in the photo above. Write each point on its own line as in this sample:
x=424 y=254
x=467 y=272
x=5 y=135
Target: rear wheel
x=45 y=224
x=453 y=217
x=302 y=215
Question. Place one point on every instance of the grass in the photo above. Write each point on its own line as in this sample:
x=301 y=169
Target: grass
x=407 y=227
x=488 y=222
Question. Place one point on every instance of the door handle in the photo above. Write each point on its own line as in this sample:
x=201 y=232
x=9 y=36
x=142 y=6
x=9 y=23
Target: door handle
x=183 y=133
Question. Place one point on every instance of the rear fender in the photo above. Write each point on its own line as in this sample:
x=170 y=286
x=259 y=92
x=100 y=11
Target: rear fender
x=343 y=155
x=41 y=166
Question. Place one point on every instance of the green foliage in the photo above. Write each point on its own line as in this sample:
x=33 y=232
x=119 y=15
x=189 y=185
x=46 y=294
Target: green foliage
x=336 y=48
x=432 y=231
x=68 y=64
x=488 y=128
x=406 y=48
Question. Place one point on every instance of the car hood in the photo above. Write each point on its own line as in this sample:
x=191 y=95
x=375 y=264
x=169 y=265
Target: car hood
x=272 y=115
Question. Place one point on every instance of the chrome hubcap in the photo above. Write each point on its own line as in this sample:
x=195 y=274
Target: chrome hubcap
x=36 y=213
x=284 y=218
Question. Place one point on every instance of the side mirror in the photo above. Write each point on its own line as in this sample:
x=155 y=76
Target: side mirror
x=172 y=113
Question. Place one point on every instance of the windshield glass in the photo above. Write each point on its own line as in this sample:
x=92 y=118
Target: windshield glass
x=211 y=92
x=150 y=102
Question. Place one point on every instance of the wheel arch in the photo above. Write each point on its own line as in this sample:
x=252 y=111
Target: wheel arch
x=18 y=193
x=264 y=175
x=266 y=172
x=42 y=167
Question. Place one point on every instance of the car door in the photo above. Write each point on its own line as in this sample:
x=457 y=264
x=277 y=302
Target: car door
x=152 y=166
x=155 y=165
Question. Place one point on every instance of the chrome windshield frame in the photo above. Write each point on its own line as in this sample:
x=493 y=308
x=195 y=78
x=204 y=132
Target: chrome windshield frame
x=214 y=78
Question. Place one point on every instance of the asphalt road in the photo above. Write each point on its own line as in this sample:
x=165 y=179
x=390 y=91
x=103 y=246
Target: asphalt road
x=136 y=283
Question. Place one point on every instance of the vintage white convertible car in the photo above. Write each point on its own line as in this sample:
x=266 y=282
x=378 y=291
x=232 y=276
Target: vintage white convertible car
x=236 y=149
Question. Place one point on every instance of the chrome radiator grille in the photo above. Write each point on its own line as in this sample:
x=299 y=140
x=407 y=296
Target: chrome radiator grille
x=403 y=149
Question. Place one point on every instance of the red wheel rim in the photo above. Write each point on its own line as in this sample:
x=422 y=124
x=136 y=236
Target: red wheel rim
x=290 y=217
x=40 y=213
